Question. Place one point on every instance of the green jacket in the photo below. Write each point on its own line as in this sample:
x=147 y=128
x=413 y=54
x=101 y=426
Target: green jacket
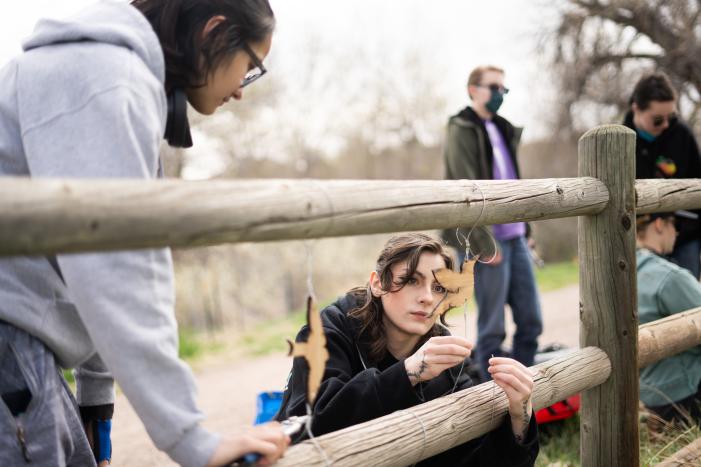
x=663 y=290
x=468 y=155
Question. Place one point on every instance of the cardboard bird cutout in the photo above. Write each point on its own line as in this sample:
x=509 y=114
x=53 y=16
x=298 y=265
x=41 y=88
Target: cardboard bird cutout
x=314 y=351
x=458 y=286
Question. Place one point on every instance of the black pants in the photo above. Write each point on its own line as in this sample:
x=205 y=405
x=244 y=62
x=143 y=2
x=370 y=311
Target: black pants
x=681 y=410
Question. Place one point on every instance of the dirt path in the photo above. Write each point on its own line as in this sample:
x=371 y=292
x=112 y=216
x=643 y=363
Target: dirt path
x=228 y=389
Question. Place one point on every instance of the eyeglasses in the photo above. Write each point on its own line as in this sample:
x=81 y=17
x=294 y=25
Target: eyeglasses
x=494 y=88
x=258 y=71
x=658 y=120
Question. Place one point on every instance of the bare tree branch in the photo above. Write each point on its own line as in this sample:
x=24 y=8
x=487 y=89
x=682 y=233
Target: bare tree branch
x=602 y=47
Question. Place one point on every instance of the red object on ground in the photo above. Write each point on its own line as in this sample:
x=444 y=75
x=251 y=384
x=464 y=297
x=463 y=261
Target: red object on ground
x=558 y=411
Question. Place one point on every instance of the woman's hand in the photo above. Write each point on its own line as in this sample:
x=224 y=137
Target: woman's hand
x=517 y=382
x=266 y=439
x=436 y=355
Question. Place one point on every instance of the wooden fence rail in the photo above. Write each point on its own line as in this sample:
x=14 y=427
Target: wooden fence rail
x=398 y=439
x=669 y=336
x=47 y=216
x=688 y=456
x=50 y=216
x=667 y=195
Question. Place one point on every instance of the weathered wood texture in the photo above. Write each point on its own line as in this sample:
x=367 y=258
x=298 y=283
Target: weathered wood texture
x=668 y=336
x=667 y=195
x=47 y=216
x=398 y=439
x=688 y=456
x=608 y=300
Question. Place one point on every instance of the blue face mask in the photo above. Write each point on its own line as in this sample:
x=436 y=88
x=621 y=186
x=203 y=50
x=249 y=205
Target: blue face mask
x=646 y=136
x=495 y=101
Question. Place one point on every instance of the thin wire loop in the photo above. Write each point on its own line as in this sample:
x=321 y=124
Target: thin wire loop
x=309 y=247
x=308 y=429
x=466 y=239
x=423 y=430
x=462 y=365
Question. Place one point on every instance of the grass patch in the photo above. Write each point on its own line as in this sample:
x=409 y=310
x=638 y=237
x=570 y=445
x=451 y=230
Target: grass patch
x=194 y=345
x=557 y=275
x=559 y=443
x=654 y=448
x=269 y=337
x=190 y=345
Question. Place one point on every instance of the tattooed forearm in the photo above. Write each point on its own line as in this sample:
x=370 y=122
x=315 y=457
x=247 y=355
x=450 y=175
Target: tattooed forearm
x=416 y=375
x=520 y=438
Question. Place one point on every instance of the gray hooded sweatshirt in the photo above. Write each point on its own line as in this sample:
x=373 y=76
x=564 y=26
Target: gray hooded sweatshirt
x=86 y=99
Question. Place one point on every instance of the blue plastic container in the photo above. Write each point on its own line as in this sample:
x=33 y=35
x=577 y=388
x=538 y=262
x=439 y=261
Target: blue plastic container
x=267 y=405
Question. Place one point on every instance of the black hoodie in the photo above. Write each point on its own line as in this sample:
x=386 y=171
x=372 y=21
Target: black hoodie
x=350 y=394
x=673 y=154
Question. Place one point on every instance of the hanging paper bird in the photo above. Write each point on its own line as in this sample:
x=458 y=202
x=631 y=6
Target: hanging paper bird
x=458 y=286
x=314 y=351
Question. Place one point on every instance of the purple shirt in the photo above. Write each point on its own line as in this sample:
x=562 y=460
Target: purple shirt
x=503 y=169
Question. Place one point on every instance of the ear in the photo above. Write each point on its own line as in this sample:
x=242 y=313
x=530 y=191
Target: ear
x=375 y=284
x=659 y=225
x=634 y=107
x=212 y=23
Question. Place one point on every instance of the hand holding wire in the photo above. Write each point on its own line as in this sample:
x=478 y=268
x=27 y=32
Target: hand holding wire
x=437 y=355
x=517 y=382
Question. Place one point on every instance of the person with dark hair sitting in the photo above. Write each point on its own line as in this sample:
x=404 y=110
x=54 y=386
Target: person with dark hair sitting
x=666 y=148
x=93 y=96
x=387 y=352
x=671 y=387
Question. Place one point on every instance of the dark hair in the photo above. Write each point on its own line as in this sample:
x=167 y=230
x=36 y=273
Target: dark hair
x=652 y=87
x=399 y=248
x=179 y=25
x=643 y=220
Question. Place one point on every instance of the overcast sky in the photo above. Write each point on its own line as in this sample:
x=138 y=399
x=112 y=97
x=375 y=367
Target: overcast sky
x=449 y=36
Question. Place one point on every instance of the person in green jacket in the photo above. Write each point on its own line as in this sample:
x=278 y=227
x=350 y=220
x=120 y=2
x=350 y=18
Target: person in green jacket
x=481 y=145
x=669 y=388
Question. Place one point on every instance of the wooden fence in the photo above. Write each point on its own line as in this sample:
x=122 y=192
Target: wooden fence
x=51 y=216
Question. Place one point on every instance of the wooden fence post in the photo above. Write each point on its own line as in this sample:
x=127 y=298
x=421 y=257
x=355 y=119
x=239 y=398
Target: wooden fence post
x=608 y=300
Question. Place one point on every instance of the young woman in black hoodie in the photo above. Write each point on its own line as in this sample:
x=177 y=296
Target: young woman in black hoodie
x=387 y=352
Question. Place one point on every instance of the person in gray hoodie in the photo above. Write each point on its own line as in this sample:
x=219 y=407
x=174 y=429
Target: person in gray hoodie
x=92 y=97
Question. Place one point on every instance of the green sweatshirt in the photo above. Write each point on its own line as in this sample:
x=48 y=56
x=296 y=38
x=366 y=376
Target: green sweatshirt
x=663 y=290
x=467 y=154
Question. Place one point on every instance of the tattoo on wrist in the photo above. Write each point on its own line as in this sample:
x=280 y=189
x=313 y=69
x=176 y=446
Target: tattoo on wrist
x=422 y=367
x=526 y=422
